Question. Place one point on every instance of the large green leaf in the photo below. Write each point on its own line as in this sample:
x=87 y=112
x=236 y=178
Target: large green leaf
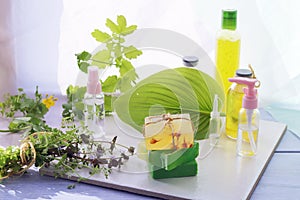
x=180 y=90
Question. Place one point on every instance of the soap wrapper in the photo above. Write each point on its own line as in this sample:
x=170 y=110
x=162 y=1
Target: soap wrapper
x=168 y=132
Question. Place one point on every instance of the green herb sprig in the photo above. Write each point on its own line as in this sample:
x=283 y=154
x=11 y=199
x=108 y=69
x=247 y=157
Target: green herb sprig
x=116 y=54
x=74 y=106
x=66 y=151
x=26 y=113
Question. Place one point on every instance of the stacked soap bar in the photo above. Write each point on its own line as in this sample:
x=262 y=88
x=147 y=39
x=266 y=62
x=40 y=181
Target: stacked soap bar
x=170 y=159
x=168 y=132
x=185 y=170
x=170 y=142
x=171 y=164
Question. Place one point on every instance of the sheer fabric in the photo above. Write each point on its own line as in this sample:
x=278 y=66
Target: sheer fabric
x=39 y=38
x=7 y=67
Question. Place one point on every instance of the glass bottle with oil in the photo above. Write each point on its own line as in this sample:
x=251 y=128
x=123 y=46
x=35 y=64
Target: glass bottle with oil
x=234 y=98
x=227 y=48
x=248 y=128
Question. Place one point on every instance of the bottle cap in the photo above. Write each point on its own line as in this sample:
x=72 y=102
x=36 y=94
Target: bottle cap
x=229 y=19
x=93 y=84
x=190 y=61
x=243 y=73
x=250 y=97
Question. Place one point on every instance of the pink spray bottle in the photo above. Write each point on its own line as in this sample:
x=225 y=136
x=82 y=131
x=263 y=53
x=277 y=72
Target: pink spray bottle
x=248 y=118
x=94 y=104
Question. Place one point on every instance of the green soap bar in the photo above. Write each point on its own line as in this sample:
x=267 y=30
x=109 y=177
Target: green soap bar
x=170 y=159
x=187 y=169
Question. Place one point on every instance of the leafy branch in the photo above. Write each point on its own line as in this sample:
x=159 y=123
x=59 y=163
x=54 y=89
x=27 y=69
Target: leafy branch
x=65 y=152
x=26 y=113
x=116 y=54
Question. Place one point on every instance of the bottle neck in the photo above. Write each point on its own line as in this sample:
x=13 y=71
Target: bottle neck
x=229 y=24
x=249 y=103
x=93 y=96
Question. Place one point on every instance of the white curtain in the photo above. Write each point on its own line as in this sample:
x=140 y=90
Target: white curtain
x=269 y=35
x=29 y=38
x=7 y=67
x=46 y=35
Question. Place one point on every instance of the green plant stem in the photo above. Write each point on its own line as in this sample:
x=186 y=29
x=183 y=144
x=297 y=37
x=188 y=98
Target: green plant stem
x=102 y=62
x=15 y=130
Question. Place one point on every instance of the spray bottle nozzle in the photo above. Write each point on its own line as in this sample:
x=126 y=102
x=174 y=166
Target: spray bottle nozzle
x=215 y=112
x=93 y=84
x=250 y=97
x=215 y=122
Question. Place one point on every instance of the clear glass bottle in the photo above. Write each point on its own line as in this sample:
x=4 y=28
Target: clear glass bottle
x=249 y=116
x=94 y=111
x=227 y=48
x=234 y=98
x=248 y=132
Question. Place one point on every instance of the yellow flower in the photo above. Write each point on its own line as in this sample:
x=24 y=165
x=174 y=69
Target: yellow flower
x=49 y=101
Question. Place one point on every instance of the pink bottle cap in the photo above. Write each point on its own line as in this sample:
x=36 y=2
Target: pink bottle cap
x=93 y=84
x=250 y=97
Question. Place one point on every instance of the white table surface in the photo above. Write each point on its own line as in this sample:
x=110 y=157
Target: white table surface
x=279 y=181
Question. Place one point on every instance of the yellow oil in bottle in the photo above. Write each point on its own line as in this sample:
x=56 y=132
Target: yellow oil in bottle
x=246 y=135
x=234 y=103
x=227 y=57
x=244 y=148
x=234 y=98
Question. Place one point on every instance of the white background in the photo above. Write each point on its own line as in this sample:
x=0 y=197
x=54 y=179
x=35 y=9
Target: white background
x=46 y=35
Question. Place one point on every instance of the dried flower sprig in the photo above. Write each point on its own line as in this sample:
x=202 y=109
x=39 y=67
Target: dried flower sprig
x=65 y=152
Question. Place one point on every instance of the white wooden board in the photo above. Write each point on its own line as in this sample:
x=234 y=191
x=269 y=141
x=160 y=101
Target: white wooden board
x=222 y=175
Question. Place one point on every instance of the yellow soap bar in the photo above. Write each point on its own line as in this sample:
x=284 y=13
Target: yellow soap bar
x=171 y=132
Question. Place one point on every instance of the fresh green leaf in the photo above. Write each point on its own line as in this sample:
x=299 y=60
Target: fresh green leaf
x=75 y=93
x=121 y=40
x=181 y=90
x=126 y=67
x=128 y=76
x=17 y=125
x=125 y=83
x=128 y=30
x=117 y=51
x=112 y=26
x=109 y=46
x=102 y=58
x=112 y=55
x=83 y=56
x=109 y=85
x=132 y=52
x=83 y=66
x=108 y=104
x=101 y=36
x=121 y=22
